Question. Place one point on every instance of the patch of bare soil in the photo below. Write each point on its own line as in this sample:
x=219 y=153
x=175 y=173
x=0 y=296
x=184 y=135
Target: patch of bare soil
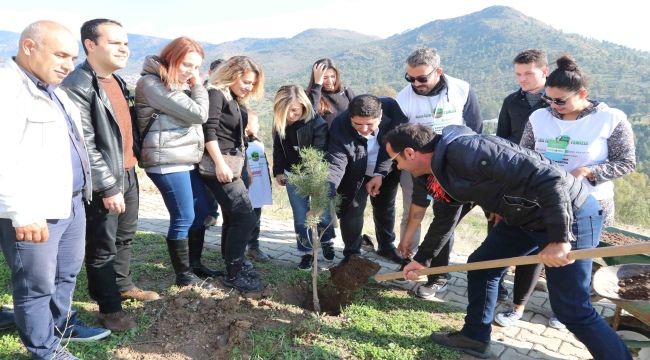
x=635 y=287
x=618 y=239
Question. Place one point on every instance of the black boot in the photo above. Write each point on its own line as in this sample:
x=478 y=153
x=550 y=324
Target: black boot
x=196 y=241
x=178 y=252
x=236 y=278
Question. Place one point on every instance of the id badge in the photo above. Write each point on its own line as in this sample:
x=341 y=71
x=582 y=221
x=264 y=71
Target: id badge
x=556 y=149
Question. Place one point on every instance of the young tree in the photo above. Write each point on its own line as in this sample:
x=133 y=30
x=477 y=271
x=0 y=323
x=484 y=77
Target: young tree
x=310 y=179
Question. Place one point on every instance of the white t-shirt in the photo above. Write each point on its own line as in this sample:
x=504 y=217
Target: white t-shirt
x=577 y=143
x=437 y=111
x=260 y=189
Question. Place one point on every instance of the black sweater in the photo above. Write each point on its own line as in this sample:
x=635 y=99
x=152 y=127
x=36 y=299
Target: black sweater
x=225 y=122
x=338 y=101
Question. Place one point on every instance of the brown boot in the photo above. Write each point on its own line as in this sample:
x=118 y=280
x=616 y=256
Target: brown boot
x=117 y=321
x=141 y=295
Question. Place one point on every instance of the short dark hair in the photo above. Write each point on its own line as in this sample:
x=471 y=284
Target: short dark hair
x=215 y=64
x=567 y=75
x=416 y=136
x=89 y=30
x=536 y=56
x=365 y=106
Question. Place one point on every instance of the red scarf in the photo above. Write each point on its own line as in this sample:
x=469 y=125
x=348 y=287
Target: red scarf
x=435 y=190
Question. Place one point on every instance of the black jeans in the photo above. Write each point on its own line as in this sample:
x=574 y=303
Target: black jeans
x=445 y=219
x=254 y=241
x=238 y=216
x=108 y=247
x=350 y=215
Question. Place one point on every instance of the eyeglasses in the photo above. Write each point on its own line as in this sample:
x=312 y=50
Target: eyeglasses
x=420 y=79
x=395 y=156
x=557 y=101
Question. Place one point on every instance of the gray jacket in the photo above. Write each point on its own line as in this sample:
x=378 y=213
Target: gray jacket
x=175 y=136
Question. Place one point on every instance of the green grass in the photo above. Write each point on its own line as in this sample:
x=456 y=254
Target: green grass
x=380 y=324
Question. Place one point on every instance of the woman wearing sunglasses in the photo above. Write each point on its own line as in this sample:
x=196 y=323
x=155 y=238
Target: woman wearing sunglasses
x=326 y=91
x=587 y=138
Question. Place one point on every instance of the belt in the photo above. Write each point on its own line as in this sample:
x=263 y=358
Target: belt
x=77 y=192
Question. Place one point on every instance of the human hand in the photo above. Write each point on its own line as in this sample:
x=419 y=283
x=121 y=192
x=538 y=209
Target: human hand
x=555 y=254
x=115 y=204
x=404 y=247
x=36 y=232
x=223 y=172
x=410 y=269
x=582 y=172
x=319 y=73
x=195 y=78
x=281 y=179
x=373 y=185
x=494 y=218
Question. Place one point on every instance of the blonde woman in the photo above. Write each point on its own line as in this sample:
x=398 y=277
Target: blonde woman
x=229 y=88
x=171 y=105
x=296 y=125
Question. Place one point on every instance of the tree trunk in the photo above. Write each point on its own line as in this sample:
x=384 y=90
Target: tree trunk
x=315 y=244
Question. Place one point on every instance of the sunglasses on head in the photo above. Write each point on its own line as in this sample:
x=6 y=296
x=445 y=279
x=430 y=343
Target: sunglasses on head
x=420 y=79
x=557 y=101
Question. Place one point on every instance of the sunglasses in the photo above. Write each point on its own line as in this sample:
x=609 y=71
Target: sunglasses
x=395 y=156
x=420 y=79
x=557 y=101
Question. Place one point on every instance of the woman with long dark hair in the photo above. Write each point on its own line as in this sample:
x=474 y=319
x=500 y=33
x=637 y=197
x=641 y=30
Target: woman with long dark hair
x=326 y=91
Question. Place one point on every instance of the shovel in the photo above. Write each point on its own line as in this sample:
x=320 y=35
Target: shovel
x=525 y=260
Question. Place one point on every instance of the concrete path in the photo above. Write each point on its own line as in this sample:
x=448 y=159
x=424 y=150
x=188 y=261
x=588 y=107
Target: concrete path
x=529 y=338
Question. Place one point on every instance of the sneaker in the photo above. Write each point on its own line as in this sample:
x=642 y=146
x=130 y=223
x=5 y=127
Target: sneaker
x=431 y=288
x=392 y=255
x=368 y=243
x=243 y=283
x=328 y=251
x=249 y=270
x=507 y=318
x=258 y=255
x=63 y=354
x=77 y=331
x=141 y=295
x=555 y=323
x=458 y=341
x=305 y=262
x=6 y=319
x=117 y=321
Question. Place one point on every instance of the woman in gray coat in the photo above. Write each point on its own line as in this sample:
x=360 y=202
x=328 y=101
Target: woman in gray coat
x=172 y=105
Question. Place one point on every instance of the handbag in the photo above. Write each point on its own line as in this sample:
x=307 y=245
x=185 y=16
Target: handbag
x=235 y=159
x=235 y=162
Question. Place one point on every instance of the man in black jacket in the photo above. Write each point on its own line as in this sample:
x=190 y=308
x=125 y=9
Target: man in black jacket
x=112 y=215
x=359 y=166
x=542 y=207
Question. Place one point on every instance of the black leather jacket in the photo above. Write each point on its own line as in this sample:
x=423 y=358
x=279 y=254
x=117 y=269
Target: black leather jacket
x=521 y=185
x=101 y=130
x=514 y=115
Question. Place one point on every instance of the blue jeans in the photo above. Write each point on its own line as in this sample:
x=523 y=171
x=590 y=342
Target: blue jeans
x=184 y=196
x=300 y=207
x=568 y=286
x=43 y=278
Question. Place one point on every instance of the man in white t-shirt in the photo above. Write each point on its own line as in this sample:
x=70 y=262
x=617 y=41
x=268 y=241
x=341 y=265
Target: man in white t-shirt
x=437 y=100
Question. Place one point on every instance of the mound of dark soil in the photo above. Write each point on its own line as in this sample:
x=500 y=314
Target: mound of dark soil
x=635 y=287
x=354 y=273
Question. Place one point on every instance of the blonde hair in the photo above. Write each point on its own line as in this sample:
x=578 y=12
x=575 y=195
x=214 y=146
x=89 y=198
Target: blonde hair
x=285 y=96
x=231 y=71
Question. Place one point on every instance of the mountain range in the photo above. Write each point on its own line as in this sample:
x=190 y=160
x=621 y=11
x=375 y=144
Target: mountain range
x=478 y=47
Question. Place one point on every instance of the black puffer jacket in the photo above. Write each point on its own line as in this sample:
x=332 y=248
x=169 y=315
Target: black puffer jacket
x=101 y=130
x=527 y=189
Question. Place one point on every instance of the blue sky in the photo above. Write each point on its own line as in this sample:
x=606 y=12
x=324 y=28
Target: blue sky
x=218 y=21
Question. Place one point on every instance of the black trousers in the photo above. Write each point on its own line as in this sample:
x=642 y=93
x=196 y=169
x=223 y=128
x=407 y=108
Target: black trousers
x=239 y=219
x=108 y=247
x=350 y=215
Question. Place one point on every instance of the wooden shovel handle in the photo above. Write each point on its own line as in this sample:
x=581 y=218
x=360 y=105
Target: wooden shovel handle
x=605 y=251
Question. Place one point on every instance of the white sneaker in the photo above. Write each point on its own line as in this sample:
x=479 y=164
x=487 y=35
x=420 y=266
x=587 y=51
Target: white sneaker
x=507 y=318
x=555 y=323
